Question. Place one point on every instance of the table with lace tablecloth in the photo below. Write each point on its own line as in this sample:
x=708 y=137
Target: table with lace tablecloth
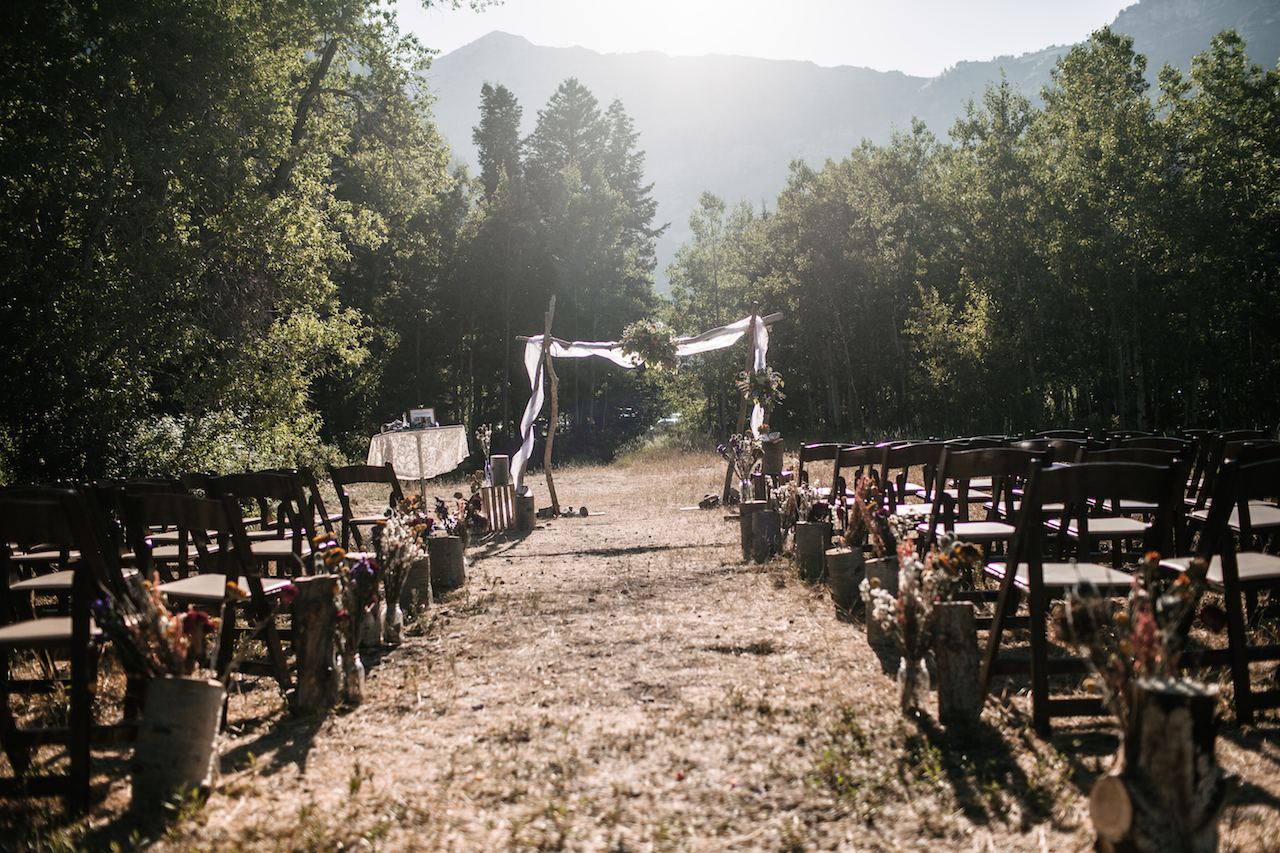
x=420 y=454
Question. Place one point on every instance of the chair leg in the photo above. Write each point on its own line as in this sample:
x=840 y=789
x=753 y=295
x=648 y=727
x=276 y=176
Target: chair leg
x=1036 y=605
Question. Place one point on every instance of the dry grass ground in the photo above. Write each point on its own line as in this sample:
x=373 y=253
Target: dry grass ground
x=624 y=681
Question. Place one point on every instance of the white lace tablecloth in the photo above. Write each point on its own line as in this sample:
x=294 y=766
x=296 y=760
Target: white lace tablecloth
x=420 y=454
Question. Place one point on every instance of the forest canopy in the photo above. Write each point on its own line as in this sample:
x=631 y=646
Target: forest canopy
x=234 y=239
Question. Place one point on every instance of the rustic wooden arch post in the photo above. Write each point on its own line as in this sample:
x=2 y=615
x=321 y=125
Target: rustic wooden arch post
x=555 y=405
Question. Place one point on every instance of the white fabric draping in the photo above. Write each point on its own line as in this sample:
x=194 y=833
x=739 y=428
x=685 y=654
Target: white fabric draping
x=713 y=339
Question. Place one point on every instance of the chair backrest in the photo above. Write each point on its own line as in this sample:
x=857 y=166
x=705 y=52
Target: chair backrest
x=373 y=474
x=1077 y=486
x=278 y=495
x=898 y=459
x=854 y=459
x=62 y=519
x=1221 y=448
x=200 y=524
x=822 y=452
x=1182 y=446
x=1006 y=466
x=1056 y=449
x=314 y=507
x=1250 y=473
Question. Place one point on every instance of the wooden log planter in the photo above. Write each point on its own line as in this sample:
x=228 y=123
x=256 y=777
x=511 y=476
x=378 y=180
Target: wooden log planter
x=747 y=509
x=766 y=535
x=845 y=568
x=315 y=621
x=958 y=663
x=1167 y=791
x=813 y=539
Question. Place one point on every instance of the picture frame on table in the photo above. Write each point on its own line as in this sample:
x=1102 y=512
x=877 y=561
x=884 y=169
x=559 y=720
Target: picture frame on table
x=422 y=417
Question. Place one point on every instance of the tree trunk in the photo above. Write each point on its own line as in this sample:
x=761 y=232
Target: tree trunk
x=1167 y=791
x=959 y=663
x=315 y=619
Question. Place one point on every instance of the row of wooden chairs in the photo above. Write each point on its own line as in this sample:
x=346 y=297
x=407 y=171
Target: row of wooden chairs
x=83 y=546
x=1049 y=503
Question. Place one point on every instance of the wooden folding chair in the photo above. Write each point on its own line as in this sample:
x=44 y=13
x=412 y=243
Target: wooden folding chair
x=1028 y=571
x=1006 y=467
x=349 y=475
x=284 y=535
x=822 y=452
x=230 y=580
x=896 y=463
x=62 y=519
x=1240 y=569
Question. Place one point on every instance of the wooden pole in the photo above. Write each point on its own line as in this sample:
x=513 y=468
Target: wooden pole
x=742 y=406
x=554 y=391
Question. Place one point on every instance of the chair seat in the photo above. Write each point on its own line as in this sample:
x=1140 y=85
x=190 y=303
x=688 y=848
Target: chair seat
x=914 y=510
x=41 y=633
x=1254 y=568
x=1063 y=575
x=54 y=583
x=212 y=588
x=1103 y=528
x=1262 y=516
x=278 y=549
x=968 y=531
x=44 y=557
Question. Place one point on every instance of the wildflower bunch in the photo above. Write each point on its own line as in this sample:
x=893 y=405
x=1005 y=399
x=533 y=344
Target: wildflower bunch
x=866 y=522
x=151 y=639
x=908 y=617
x=743 y=451
x=356 y=591
x=1146 y=636
x=484 y=435
x=796 y=502
x=398 y=548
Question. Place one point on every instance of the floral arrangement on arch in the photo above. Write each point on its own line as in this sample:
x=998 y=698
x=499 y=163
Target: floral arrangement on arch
x=762 y=387
x=1146 y=636
x=652 y=343
x=152 y=639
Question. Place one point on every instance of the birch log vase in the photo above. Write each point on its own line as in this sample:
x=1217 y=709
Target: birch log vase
x=315 y=621
x=958 y=663
x=747 y=511
x=1167 y=791
x=883 y=572
x=813 y=538
x=845 y=568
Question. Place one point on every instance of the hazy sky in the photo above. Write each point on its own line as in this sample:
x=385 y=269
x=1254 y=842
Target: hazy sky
x=869 y=33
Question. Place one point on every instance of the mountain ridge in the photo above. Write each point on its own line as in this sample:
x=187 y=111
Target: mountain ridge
x=733 y=124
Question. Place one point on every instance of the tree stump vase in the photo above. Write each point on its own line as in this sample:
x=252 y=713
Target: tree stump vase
x=813 y=539
x=845 y=568
x=315 y=622
x=448 y=564
x=1167 y=791
x=959 y=663
x=766 y=535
